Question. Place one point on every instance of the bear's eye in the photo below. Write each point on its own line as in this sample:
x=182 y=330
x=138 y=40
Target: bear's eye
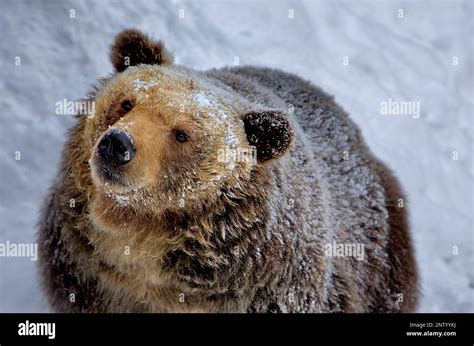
x=126 y=106
x=181 y=136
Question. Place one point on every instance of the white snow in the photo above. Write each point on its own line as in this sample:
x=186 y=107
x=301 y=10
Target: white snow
x=121 y=200
x=141 y=85
x=202 y=100
x=362 y=53
x=219 y=116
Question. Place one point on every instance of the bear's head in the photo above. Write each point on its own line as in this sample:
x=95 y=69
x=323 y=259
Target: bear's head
x=169 y=143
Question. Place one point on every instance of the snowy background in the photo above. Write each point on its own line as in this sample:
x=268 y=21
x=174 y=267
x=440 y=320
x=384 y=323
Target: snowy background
x=409 y=58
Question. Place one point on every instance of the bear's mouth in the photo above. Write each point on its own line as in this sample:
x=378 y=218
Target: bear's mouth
x=103 y=175
x=108 y=175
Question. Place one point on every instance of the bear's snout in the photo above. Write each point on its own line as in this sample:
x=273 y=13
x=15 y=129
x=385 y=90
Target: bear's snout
x=116 y=148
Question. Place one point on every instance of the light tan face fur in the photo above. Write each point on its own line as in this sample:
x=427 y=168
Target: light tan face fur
x=166 y=174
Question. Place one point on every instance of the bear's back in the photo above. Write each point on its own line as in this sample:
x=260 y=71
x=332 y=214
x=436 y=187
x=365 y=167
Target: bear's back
x=358 y=193
x=328 y=138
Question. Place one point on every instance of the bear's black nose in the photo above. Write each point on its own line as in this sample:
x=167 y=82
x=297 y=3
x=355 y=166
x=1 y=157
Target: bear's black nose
x=116 y=147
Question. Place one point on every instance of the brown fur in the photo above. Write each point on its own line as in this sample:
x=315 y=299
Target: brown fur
x=131 y=47
x=185 y=231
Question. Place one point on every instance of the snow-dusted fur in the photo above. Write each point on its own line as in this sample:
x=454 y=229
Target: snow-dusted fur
x=261 y=244
x=330 y=188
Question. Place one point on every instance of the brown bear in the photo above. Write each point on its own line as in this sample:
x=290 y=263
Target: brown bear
x=242 y=189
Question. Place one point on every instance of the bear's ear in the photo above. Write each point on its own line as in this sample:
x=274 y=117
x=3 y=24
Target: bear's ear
x=132 y=47
x=269 y=131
